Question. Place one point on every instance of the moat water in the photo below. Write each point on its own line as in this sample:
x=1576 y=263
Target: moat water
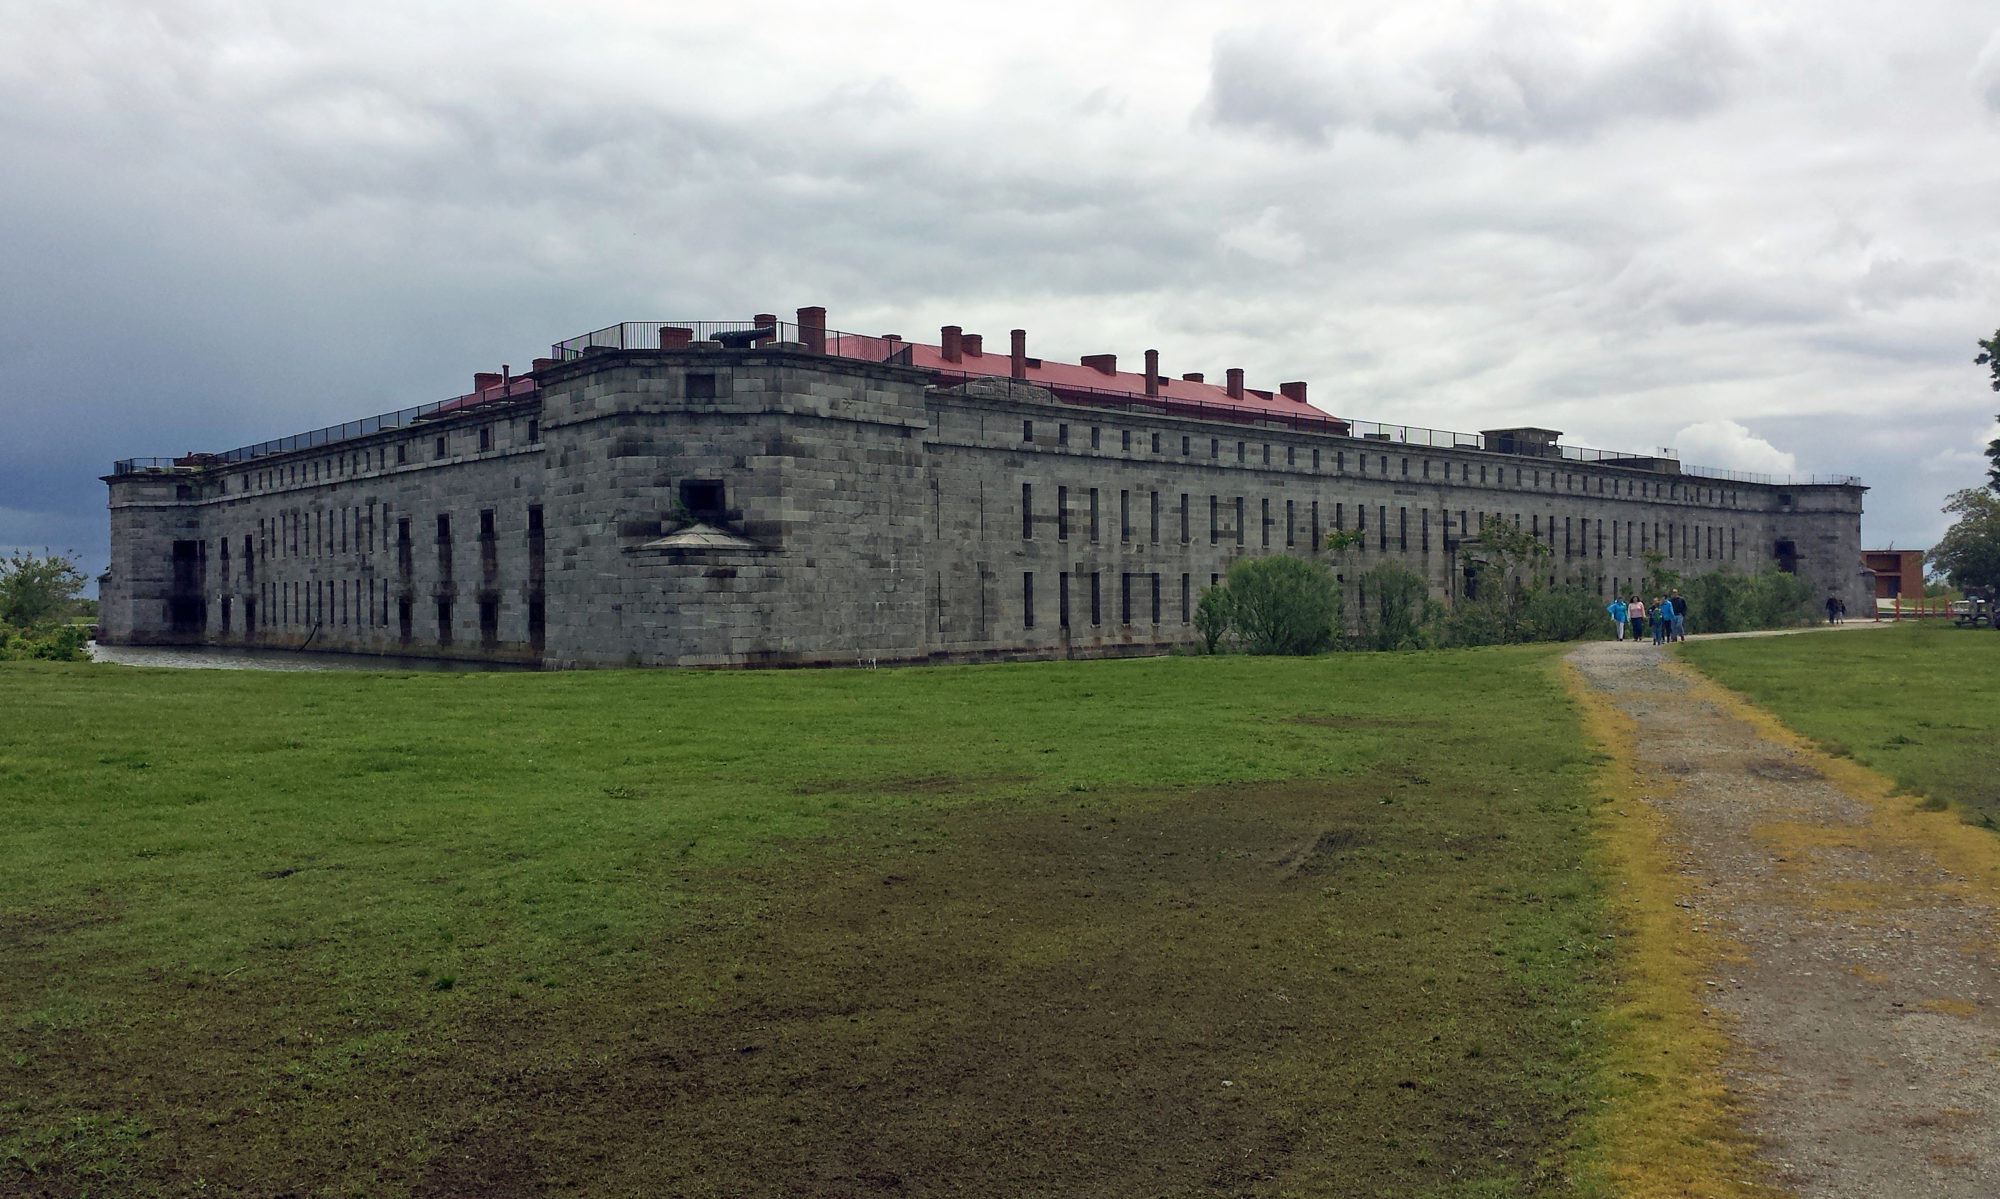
x=216 y=658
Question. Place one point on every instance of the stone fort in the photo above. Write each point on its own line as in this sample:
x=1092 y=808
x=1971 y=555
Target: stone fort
x=774 y=493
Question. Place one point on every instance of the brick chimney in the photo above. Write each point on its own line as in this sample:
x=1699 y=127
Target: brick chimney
x=484 y=380
x=542 y=364
x=674 y=338
x=1152 y=372
x=1103 y=364
x=812 y=329
x=974 y=344
x=767 y=320
x=1019 y=367
x=948 y=340
x=1192 y=377
x=1235 y=377
x=1296 y=392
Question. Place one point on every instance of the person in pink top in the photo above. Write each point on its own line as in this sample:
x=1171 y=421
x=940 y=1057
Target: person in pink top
x=1635 y=608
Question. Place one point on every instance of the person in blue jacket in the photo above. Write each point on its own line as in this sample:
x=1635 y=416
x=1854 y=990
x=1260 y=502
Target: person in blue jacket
x=1663 y=620
x=1617 y=609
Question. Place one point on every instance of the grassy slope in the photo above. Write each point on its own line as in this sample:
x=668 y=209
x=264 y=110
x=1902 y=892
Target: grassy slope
x=988 y=930
x=1919 y=704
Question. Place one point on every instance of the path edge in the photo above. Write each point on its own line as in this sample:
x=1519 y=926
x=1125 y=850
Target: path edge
x=1667 y=1123
x=1971 y=852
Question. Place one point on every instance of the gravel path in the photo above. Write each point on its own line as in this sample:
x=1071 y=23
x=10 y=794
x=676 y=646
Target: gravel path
x=1856 y=970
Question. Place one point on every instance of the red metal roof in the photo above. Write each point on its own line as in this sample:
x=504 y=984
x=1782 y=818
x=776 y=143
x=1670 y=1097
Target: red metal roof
x=520 y=385
x=1081 y=380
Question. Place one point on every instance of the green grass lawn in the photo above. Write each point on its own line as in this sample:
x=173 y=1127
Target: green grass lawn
x=1920 y=704
x=1162 y=927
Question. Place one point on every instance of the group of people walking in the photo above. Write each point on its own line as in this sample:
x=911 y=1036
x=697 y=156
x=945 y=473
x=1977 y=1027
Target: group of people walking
x=1667 y=617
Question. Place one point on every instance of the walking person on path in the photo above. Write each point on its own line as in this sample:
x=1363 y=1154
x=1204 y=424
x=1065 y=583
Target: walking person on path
x=1617 y=609
x=1663 y=621
x=1636 y=610
x=1679 y=604
x=1833 y=609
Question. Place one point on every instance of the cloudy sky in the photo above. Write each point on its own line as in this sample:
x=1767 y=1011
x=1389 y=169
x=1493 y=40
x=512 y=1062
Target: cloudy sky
x=1764 y=234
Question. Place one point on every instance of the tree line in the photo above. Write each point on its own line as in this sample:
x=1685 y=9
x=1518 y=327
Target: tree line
x=1968 y=555
x=1286 y=605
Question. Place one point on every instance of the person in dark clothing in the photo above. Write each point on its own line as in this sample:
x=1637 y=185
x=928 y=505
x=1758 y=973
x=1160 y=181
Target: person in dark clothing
x=1833 y=609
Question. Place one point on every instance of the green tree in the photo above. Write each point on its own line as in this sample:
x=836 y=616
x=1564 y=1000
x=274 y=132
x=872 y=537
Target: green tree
x=1396 y=608
x=1660 y=578
x=1212 y=616
x=1501 y=566
x=1727 y=601
x=1969 y=551
x=1283 y=605
x=1338 y=540
x=35 y=591
x=1989 y=357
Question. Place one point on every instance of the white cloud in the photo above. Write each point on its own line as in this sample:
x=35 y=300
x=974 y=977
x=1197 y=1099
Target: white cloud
x=1267 y=239
x=1985 y=78
x=1891 y=281
x=1726 y=444
x=1517 y=70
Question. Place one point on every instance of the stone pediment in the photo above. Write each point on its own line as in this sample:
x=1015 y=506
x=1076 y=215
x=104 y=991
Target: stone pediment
x=699 y=538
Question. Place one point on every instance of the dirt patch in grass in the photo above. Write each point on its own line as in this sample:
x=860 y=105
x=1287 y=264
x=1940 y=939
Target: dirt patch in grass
x=928 y=784
x=1128 y=1000
x=1363 y=722
x=1156 y=993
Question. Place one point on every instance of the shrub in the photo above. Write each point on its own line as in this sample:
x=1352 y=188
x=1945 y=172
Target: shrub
x=1565 y=612
x=60 y=643
x=1488 y=620
x=1726 y=601
x=1396 y=610
x=1280 y=605
x=1212 y=616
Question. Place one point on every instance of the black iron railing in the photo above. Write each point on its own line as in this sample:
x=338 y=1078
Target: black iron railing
x=518 y=389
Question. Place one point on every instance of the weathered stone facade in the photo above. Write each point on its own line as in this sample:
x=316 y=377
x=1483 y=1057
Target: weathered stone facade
x=703 y=506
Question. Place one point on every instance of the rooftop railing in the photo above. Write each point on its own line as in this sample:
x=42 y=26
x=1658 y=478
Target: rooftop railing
x=401 y=418
x=1748 y=476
